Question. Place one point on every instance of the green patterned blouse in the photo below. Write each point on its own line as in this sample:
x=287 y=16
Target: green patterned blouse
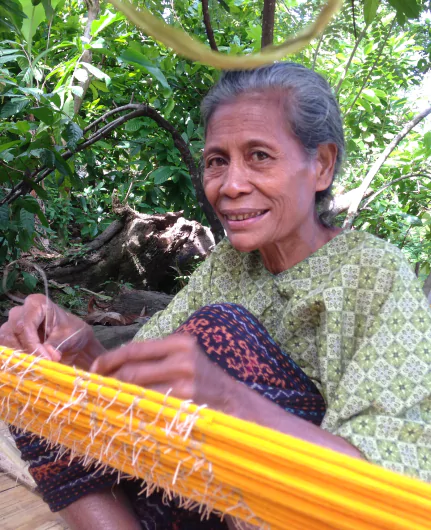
x=354 y=318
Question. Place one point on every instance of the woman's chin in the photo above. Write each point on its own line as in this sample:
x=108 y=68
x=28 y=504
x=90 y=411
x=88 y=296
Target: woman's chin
x=243 y=242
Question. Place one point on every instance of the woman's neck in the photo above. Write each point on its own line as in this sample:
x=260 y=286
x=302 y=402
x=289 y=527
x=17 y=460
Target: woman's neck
x=282 y=255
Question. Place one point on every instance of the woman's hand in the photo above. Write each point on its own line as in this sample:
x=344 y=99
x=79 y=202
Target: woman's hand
x=175 y=363
x=42 y=328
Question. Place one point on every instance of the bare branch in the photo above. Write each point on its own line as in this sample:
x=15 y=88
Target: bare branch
x=375 y=168
x=208 y=27
x=349 y=62
x=383 y=188
x=316 y=51
x=268 y=16
x=371 y=70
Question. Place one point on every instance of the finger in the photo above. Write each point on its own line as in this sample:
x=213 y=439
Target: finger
x=54 y=354
x=7 y=337
x=140 y=352
x=26 y=322
x=145 y=373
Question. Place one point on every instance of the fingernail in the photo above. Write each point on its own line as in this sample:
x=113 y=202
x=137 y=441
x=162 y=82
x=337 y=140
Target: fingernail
x=93 y=367
x=54 y=354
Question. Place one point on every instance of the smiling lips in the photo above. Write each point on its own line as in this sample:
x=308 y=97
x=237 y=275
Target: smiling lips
x=244 y=216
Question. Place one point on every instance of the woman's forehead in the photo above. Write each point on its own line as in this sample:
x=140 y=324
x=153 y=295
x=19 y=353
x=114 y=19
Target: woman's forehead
x=253 y=115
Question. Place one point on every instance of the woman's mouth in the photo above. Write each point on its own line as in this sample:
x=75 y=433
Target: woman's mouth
x=243 y=216
x=243 y=219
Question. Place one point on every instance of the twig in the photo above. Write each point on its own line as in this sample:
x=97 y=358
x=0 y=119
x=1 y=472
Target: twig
x=383 y=188
x=316 y=51
x=349 y=62
x=371 y=70
x=375 y=168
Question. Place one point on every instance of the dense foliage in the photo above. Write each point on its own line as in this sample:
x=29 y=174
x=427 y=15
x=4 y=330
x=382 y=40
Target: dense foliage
x=66 y=63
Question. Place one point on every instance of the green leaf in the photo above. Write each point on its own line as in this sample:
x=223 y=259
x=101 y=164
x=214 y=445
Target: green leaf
x=4 y=217
x=31 y=205
x=97 y=73
x=47 y=157
x=10 y=281
x=30 y=281
x=161 y=174
x=69 y=107
x=25 y=240
x=406 y=9
x=41 y=192
x=26 y=220
x=8 y=145
x=369 y=94
x=427 y=140
x=7 y=58
x=104 y=21
x=77 y=91
x=81 y=74
x=43 y=114
x=138 y=59
x=12 y=107
x=11 y=15
x=134 y=125
x=62 y=166
x=22 y=126
x=370 y=10
x=72 y=134
x=35 y=16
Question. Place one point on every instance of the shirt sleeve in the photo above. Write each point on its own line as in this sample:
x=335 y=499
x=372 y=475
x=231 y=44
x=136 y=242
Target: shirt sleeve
x=185 y=303
x=382 y=403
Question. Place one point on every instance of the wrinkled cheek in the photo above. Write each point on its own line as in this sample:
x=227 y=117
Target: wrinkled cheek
x=211 y=193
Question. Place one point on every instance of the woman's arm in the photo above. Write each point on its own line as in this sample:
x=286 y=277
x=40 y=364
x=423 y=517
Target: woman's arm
x=248 y=405
x=105 y=510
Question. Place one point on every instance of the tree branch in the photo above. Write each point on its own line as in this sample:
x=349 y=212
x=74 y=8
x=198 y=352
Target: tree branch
x=316 y=51
x=268 y=16
x=371 y=70
x=383 y=188
x=208 y=27
x=349 y=62
x=135 y=110
x=427 y=287
x=375 y=168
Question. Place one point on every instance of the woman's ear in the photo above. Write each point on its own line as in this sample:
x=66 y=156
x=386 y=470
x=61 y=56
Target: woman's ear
x=325 y=164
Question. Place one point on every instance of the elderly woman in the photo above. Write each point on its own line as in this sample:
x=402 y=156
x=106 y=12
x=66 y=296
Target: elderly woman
x=318 y=333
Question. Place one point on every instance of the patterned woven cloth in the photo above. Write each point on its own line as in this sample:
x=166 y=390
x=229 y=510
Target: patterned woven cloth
x=234 y=340
x=353 y=317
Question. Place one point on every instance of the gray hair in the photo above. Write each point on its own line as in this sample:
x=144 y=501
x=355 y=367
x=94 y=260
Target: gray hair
x=312 y=111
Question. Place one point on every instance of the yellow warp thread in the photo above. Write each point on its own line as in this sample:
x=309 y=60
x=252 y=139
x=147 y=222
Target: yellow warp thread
x=182 y=44
x=212 y=461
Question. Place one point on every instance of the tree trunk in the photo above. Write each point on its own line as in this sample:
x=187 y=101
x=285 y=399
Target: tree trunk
x=268 y=16
x=149 y=251
x=93 y=7
x=427 y=288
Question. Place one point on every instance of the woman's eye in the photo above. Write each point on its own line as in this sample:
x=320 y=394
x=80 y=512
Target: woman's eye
x=258 y=156
x=216 y=162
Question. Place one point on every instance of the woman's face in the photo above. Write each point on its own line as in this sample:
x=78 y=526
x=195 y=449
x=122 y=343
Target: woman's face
x=258 y=177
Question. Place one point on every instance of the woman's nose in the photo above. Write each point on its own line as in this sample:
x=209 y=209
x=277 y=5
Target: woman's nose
x=236 y=181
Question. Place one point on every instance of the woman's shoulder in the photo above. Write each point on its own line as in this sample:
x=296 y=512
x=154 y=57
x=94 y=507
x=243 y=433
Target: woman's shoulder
x=369 y=250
